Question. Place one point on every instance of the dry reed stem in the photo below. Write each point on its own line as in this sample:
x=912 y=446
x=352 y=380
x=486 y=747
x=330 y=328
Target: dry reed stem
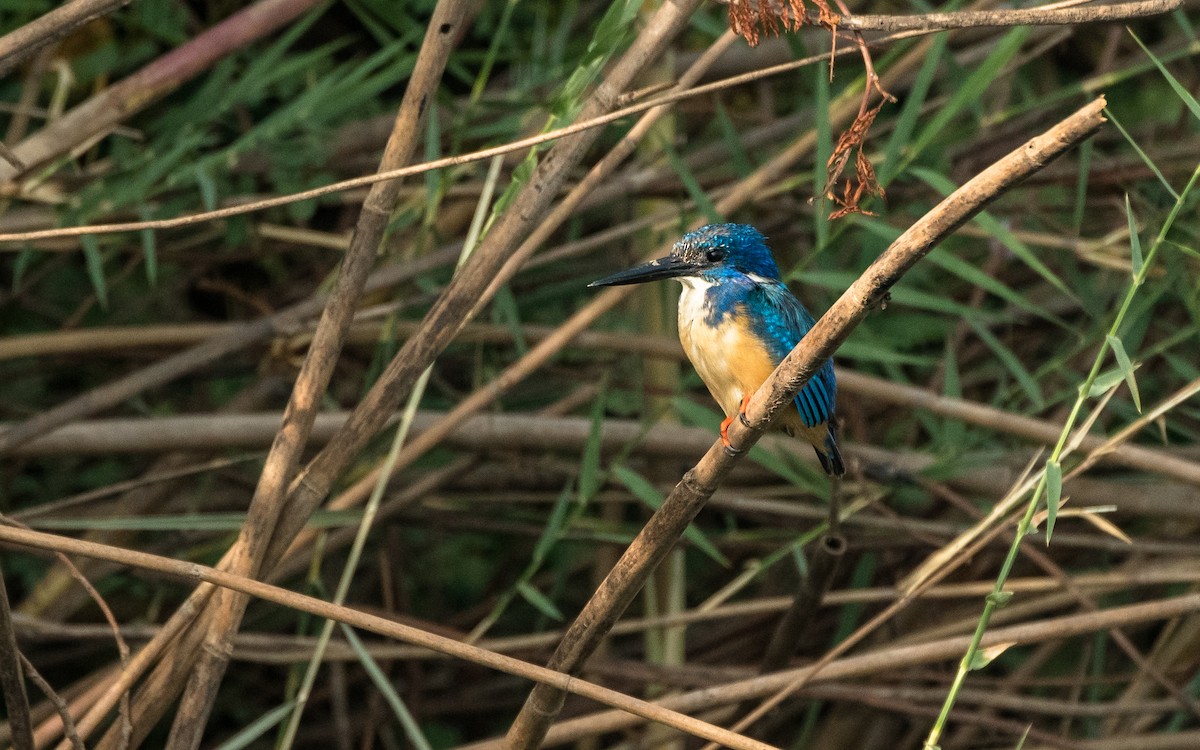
x=1132 y=10
x=859 y=384
x=460 y=298
x=165 y=370
x=663 y=529
x=968 y=19
x=12 y=678
x=273 y=648
x=22 y=42
x=884 y=659
x=99 y=114
x=373 y=623
x=446 y=26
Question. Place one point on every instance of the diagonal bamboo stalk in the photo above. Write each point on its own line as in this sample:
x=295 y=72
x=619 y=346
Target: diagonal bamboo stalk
x=664 y=528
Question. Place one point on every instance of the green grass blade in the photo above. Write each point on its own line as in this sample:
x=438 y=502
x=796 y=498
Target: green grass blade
x=1141 y=154
x=997 y=230
x=1135 y=242
x=643 y=490
x=95 y=268
x=971 y=90
x=1012 y=363
x=384 y=685
x=914 y=101
x=246 y=736
x=1126 y=366
x=1053 y=495
x=539 y=601
x=1179 y=89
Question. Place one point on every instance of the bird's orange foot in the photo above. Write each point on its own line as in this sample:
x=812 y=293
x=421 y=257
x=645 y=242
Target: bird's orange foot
x=742 y=409
x=729 y=449
x=729 y=421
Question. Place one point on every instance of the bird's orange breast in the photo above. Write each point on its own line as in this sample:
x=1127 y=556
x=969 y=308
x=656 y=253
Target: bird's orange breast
x=731 y=361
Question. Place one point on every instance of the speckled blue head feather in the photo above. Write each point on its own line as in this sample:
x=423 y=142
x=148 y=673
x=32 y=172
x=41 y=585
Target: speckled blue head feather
x=745 y=249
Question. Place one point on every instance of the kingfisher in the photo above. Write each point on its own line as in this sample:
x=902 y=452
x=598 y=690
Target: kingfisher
x=737 y=321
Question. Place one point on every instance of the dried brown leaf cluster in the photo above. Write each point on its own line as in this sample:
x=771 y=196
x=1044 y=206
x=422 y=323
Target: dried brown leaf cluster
x=750 y=18
x=864 y=182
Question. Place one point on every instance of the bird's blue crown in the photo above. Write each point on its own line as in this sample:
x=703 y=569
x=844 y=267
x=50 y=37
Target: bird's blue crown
x=728 y=248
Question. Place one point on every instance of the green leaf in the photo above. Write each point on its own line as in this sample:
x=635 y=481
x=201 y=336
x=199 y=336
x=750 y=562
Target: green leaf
x=691 y=184
x=150 y=255
x=95 y=268
x=1053 y=495
x=1126 y=369
x=1081 y=185
x=539 y=600
x=208 y=189
x=1000 y=599
x=910 y=112
x=641 y=488
x=1012 y=363
x=1137 y=147
x=824 y=148
x=972 y=89
x=246 y=736
x=1180 y=90
x=998 y=231
x=558 y=520
x=1104 y=381
x=986 y=655
x=1135 y=244
x=24 y=260
x=589 y=465
x=384 y=685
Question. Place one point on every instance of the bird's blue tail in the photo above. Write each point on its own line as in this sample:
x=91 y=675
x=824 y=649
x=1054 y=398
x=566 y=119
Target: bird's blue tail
x=831 y=457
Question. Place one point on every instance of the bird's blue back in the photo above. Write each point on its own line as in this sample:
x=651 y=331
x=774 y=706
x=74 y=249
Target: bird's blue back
x=779 y=321
x=748 y=283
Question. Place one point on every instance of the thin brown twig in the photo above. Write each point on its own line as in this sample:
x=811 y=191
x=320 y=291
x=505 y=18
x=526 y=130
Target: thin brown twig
x=12 y=680
x=60 y=706
x=988 y=18
x=102 y=112
x=165 y=370
x=453 y=307
x=373 y=623
x=887 y=658
x=24 y=41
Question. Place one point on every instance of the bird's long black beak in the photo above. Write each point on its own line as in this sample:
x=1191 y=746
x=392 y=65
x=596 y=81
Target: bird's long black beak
x=669 y=267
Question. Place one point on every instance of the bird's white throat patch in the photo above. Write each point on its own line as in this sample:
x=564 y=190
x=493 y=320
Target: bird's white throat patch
x=693 y=302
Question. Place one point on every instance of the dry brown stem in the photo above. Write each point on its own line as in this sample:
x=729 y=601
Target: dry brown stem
x=373 y=623
x=872 y=663
x=20 y=43
x=12 y=678
x=169 y=368
x=116 y=103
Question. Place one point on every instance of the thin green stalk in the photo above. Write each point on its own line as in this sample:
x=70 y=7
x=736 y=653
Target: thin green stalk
x=372 y=506
x=972 y=659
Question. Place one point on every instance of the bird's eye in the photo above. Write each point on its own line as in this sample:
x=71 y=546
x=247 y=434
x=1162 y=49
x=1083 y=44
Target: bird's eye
x=716 y=255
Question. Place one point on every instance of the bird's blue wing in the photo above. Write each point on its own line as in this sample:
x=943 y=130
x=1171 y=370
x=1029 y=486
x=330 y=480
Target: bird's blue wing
x=780 y=320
